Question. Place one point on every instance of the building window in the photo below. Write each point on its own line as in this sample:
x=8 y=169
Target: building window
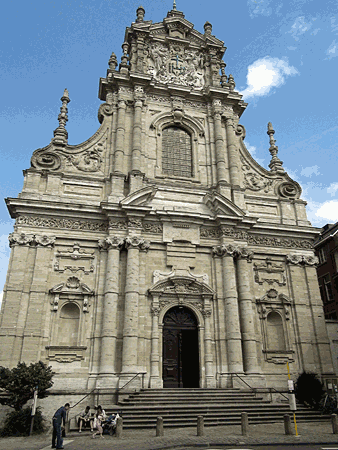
x=176 y=152
x=322 y=253
x=325 y=288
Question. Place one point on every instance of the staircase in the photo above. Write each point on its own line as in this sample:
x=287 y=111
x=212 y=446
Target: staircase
x=180 y=408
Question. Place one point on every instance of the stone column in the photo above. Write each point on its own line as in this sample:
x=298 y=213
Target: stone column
x=232 y=324
x=119 y=145
x=316 y=305
x=155 y=381
x=210 y=380
x=312 y=339
x=234 y=163
x=130 y=327
x=219 y=142
x=37 y=298
x=135 y=175
x=111 y=290
x=232 y=151
x=136 y=153
x=244 y=256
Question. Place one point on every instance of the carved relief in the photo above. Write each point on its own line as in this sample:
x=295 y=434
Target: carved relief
x=31 y=240
x=68 y=224
x=152 y=227
x=65 y=354
x=269 y=273
x=234 y=251
x=73 y=287
x=111 y=242
x=176 y=64
x=277 y=306
x=253 y=181
x=46 y=160
x=306 y=260
x=289 y=189
x=72 y=255
x=118 y=224
x=89 y=161
x=138 y=242
x=253 y=239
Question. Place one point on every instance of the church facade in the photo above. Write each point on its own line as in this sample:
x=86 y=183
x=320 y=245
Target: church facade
x=159 y=252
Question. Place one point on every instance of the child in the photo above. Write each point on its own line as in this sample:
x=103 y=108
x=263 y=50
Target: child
x=98 y=425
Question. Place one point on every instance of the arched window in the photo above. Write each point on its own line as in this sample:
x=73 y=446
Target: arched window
x=176 y=152
x=69 y=324
x=275 y=332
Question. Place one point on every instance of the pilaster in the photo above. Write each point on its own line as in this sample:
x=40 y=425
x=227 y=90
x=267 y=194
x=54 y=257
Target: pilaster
x=107 y=374
x=130 y=326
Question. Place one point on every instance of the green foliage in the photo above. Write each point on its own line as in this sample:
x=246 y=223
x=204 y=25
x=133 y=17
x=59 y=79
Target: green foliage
x=17 y=423
x=309 y=389
x=20 y=382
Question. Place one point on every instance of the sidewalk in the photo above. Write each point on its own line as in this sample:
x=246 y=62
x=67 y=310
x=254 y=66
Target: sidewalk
x=309 y=433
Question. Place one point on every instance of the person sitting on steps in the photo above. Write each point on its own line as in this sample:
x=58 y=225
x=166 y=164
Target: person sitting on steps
x=86 y=419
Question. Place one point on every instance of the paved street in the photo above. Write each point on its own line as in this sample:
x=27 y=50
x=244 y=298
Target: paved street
x=314 y=436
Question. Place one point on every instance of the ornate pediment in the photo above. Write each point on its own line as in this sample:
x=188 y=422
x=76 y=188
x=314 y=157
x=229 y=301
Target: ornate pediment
x=181 y=285
x=86 y=158
x=73 y=286
x=220 y=205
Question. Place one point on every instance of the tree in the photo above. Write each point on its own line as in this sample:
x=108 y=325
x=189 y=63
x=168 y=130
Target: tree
x=18 y=384
x=309 y=389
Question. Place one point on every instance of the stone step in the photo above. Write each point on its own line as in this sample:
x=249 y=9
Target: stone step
x=208 y=400
x=180 y=408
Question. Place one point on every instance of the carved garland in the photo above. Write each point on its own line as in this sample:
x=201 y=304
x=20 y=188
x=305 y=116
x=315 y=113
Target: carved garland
x=253 y=239
x=68 y=224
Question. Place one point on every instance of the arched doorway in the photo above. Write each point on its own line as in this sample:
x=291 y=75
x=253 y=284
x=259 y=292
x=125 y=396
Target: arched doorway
x=180 y=349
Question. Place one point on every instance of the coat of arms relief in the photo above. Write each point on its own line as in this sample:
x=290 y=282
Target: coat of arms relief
x=176 y=64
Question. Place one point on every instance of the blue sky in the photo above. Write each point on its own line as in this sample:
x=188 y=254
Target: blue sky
x=282 y=54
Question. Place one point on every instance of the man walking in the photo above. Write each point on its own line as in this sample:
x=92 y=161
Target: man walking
x=59 y=416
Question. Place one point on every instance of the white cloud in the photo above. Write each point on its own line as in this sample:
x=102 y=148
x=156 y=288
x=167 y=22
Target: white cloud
x=252 y=150
x=332 y=189
x=299 y=27
x=265 y=74
x=332 y=51
x=329 y=210
x=259 y=7
x=309 y=171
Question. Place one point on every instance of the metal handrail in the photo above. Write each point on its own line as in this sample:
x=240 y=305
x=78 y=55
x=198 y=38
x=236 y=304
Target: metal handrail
x=139 y=373
x=255 y=390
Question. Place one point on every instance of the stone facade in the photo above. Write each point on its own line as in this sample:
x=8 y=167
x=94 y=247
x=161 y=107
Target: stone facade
x=162 y=208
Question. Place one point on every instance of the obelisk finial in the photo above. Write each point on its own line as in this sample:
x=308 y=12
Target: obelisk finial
x=276 y=165
x=174 y=5
x=60 y=133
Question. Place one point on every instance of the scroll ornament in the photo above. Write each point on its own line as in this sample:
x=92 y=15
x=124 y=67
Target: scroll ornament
x=234 y=251
x=304 y=260
x=31 y=240
x=135 y=242
x=113 y=242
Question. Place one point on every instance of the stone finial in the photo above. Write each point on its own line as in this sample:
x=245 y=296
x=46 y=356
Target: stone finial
x=140 y=14
x=60 y=133
x=224 y=78
x=207 y=28
x=112 y=63
x=231 y=83
x=124 y=59
x=174 y=5
x=276 y=165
